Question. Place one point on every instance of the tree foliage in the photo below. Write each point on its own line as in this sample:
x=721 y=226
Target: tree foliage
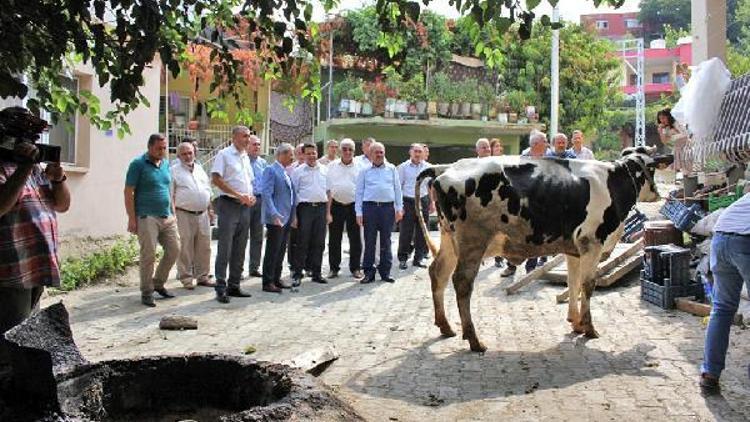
x=589 y=75
x=42 y=39
x=654 y=14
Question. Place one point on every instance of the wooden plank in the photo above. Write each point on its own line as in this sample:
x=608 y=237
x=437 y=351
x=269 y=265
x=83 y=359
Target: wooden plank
x=622 y=252
x=692 y=307
x=314 y=361
x=608 y=279
x=530 y=277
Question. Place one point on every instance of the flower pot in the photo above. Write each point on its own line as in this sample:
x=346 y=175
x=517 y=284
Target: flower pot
x=492 y=112
x=402 y=107
x=355 y=107
x=443 y=109
x=421 y=107
x=193 y=125
x=390 y=107
x=465 y=109
x=366 y=109
x=502 y=118
x=512 y=117
x=476 y=110
x=455 y=109
x=432 y=108
x=344 y=105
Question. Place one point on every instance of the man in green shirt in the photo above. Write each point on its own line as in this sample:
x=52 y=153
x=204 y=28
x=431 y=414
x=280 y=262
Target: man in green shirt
x=151 y=216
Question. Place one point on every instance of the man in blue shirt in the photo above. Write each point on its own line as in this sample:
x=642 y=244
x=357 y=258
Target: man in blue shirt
x=258 y=164
x=148 y=203
x=560 y=147
x=378 y=203
x=410 y=236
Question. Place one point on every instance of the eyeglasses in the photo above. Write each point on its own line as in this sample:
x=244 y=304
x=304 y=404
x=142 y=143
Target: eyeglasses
x=346 y=149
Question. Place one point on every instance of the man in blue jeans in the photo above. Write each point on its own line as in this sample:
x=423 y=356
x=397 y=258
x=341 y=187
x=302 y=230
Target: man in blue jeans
x=730 y=264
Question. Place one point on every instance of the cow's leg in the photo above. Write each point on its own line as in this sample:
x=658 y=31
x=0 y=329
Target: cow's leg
x=574 y=289
x=440 y=272
x=587 y=271
x=469 y=260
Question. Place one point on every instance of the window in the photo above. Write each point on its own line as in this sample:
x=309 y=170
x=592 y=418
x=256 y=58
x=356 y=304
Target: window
x=632 y=79
x=64 y=129
x=602 y=24
x=632 y=23
x=660 y=78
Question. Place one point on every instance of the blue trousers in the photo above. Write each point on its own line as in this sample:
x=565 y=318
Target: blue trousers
x=378 y=219
x=730 y=264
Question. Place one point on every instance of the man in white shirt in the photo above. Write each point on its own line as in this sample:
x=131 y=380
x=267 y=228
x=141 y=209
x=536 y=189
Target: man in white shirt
x=342 y=181
x=191 y=193
x=232 y=173
x=581 y=152
x=363 y=161
x=410 y=236
x=309 y=182
x=332 y=149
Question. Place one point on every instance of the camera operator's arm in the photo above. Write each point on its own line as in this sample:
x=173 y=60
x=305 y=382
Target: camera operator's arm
x=11 y=189
x=60 y=191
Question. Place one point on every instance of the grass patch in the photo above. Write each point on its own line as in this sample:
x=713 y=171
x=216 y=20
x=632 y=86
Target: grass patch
x=113 y=260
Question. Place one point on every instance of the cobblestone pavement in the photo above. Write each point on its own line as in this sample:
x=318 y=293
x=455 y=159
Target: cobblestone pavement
x=394 y=365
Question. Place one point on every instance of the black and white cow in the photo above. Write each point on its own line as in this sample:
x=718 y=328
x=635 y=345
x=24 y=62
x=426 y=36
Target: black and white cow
x=520 y=208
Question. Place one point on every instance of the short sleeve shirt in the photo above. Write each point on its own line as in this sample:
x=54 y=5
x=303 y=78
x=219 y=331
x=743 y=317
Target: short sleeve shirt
x=152 y=186
x=28 y=234
x=235 y=168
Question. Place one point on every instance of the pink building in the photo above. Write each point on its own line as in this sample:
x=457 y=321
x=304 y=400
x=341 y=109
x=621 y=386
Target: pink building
x=614 y=26
x=660 y=69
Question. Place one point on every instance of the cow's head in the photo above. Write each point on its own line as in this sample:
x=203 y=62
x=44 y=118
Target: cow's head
x=648 y=162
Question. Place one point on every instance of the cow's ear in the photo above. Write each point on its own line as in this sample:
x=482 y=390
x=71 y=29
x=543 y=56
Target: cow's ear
x=661 y=161
x=627 y=151
x=638 y=150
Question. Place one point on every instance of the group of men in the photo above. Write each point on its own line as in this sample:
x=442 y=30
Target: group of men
x=299 y=200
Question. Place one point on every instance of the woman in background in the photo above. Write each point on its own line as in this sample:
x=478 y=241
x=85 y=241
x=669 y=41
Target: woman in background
x=675 y=138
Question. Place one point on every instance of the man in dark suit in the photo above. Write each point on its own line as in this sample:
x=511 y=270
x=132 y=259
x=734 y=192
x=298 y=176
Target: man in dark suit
x=278 y=212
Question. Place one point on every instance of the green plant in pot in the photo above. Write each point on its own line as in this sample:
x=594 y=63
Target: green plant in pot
x=356 y=98
x=516 y=100
x=342 y=91
x=469 y=95
x=439 y=92
x=412 y=92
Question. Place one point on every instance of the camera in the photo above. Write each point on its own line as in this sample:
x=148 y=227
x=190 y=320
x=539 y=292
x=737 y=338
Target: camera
x=18 y=125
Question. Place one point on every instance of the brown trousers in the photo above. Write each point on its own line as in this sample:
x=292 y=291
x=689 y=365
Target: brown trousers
x=153 y=230
x=195 y=247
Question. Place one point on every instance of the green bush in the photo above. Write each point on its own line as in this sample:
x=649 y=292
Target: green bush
x=77 y=272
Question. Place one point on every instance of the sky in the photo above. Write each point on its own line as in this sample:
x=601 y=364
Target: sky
x=570 y=10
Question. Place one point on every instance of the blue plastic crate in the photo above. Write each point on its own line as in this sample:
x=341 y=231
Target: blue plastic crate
x=666 y=262
x=683 y=217
x=663 y=296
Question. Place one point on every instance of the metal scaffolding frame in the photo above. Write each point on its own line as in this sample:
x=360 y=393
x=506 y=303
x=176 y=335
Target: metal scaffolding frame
x=632 y=49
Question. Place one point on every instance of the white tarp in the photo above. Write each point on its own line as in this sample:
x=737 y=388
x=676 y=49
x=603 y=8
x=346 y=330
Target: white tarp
x=700 y=101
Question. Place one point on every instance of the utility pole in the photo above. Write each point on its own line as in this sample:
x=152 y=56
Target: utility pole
x=330 y=74
x=555 y=71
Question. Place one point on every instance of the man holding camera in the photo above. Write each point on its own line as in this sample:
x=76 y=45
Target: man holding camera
x=29 y=200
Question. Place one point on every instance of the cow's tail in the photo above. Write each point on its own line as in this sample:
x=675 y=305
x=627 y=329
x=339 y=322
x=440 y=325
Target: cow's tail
x=428 y=173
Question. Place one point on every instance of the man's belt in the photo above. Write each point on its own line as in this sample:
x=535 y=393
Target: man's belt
x=312 y=204
x=190 y=212
x=379 y=204
x=335 y=202
x=734 y=234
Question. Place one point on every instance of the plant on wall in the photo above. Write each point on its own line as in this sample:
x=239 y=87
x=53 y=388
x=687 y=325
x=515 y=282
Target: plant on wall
x=440 y=85
x=413 y=89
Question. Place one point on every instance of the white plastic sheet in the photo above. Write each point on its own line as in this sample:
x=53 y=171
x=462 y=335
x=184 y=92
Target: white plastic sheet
x=701 y=98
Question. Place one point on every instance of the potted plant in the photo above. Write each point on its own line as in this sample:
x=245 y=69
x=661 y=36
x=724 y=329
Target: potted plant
x=392 y=85
x=454 y=95
x=475 y=98
x=439 y=92
x=467 y=94
x=356 y=98
x=411 y=93
x=516 y=101
x=341 y=92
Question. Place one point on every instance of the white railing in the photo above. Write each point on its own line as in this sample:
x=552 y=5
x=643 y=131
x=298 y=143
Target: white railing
x=208 y=138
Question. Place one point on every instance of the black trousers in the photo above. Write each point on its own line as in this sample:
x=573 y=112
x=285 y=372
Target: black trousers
x=273 y=259
x=410 y=237
x=311 y=238
x=344 y=216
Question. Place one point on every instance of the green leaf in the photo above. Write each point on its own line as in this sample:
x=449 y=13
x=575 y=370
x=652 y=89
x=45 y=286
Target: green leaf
x=532 y=4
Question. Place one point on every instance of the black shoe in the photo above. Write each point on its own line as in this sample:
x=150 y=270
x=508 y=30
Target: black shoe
x=148 y=301
x=296 y=281
x=368 y=279
x=709 y=385
x=319 y=279
x=388 y=279
x=272 y=288
x=402 y=265
x=255 y=273
x=222 y=297
x=164 y=293
x=333 y=274
x=419 y=264
x=237 y=293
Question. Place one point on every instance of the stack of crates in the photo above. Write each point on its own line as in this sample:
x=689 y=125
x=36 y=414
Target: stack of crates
x=666 y=276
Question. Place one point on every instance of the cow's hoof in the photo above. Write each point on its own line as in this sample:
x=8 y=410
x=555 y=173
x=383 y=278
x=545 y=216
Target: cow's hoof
x=447 y=332
x=590 y=332
x=479 y=347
